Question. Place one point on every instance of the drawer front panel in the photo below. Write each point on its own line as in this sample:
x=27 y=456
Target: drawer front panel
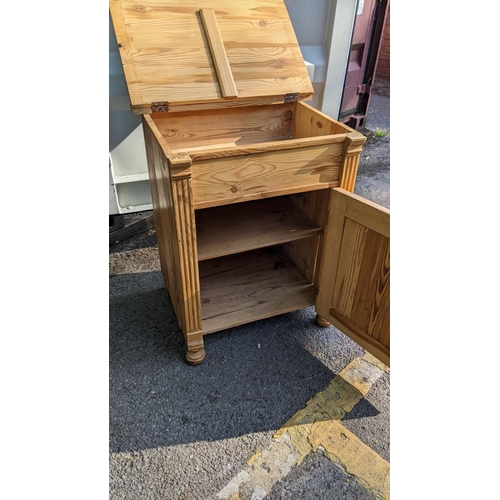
x=236 y=179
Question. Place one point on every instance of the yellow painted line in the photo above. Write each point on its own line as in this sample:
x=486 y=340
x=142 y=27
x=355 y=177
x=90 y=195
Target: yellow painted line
x=346 y=450
x=318 y=425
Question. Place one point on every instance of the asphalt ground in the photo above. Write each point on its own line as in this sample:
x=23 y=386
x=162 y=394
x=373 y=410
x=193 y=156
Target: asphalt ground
x=281 y=408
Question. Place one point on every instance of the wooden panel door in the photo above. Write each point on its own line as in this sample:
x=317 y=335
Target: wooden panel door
x=354 y=280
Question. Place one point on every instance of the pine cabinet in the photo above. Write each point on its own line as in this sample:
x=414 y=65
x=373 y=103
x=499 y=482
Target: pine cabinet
x=251 y=186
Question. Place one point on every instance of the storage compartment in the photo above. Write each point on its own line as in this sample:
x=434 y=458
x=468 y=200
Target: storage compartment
x=256 y=224
x=249 y=286
x=250 y=262
x=247 y=153
x=203 y=131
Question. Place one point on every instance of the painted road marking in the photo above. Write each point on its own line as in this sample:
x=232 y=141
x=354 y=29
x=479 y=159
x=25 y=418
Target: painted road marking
x=317 y=427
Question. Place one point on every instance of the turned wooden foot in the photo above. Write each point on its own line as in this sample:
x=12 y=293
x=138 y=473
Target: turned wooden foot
x=322 y=321
x=196 y=357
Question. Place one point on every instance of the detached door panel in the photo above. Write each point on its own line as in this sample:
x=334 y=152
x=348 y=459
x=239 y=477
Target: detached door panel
x=355 y=270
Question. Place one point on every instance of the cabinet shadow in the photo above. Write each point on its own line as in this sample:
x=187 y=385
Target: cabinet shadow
x=254 y=378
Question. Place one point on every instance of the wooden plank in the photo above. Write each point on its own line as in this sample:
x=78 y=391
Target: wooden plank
x=263 y=25
x=201 y=153
x=305 y=253
x=379 y=318
x=375 y=273
x=237 y=228
x=250 y=286
x=219 y=57
x=243 y=178
x=369 y=214
x=309 y=122
x=359 y=336
x=314 y=204
x=223 y=151
x=147 y=121
x=225 y=128
x=349 y=266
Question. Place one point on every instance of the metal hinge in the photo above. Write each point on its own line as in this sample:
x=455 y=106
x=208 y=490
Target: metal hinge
x=159 y=107
x=291 y=97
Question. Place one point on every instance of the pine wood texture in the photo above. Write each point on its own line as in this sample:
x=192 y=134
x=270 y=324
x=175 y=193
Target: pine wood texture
x=354 y=283
x=166 y=52
x=353 y=146
x=224 y=128
x=261 y=175
x=322 y=321
x=176 y=234
x=238 y=228
x=250 y=286
x=252 y=153
x=219 y=57
x=309 y=122
x=305 y=253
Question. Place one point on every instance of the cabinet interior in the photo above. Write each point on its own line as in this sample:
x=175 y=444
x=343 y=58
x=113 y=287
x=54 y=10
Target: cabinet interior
x=258 y=259
x=190 y=131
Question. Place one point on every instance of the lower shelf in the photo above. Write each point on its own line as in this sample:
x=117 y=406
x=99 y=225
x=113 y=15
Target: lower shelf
x=249 y=286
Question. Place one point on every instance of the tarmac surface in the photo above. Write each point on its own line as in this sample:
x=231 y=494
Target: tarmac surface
x=281 y=408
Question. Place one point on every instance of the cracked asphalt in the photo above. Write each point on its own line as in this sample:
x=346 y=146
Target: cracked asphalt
x=183 y=432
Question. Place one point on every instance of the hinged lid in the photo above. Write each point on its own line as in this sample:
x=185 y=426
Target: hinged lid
x=200 y=54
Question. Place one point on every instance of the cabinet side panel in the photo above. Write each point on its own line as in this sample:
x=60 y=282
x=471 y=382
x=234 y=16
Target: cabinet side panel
x=161 y=194
x=305 y=253
x=309 y=122
x=314 y=204
x=176 y=233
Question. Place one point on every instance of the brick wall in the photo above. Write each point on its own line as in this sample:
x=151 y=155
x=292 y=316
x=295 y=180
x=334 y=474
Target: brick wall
x=383 y=65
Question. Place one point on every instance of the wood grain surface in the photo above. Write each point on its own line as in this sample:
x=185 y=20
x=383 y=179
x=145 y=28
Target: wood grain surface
x=166 y=54
x=219 y=57
x=262 y=175
x=225 y=128
x=354 y=283
x=237 y=228
x=250 y=286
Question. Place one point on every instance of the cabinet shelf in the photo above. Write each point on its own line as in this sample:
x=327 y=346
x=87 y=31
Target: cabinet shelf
x=249 y=286
x=247 y=226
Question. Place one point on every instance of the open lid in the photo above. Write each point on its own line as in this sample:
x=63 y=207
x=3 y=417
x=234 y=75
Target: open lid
x=201 y=54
